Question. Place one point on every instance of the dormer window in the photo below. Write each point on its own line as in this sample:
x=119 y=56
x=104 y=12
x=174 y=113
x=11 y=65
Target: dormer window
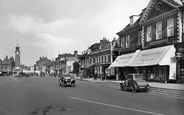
x=133 y=19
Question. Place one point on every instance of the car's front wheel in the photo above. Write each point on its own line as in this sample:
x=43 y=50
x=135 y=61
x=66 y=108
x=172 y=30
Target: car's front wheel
x=73 y=84
x=134 y=88
x=147 y=88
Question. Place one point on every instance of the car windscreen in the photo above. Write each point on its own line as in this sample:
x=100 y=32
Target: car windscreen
x=138 y=76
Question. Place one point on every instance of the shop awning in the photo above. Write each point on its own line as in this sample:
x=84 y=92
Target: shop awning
x=124 y=60
x=155 y=56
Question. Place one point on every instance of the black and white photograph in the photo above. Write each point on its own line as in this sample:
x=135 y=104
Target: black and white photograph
x=91 y=57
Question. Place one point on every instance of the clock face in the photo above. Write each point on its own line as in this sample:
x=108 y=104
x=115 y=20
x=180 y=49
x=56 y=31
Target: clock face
x=17 y=52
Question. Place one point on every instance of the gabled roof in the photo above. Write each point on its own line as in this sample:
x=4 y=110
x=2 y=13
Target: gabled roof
x=173 y=3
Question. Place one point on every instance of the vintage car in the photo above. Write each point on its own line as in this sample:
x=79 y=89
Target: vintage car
x=21 y=74
x=135 y=82
x=66 y=80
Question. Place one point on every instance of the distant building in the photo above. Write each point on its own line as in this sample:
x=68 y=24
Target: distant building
x=96 y=59
x=43 y=65
x=64 y=62
x=6 y=66
x=70 y=61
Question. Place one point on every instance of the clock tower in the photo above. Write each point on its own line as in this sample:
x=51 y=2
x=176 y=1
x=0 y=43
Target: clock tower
x=17 y=57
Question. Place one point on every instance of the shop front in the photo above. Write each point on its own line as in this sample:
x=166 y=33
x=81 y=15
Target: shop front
x=157 y=64
x=122 y=65
x=89 y=71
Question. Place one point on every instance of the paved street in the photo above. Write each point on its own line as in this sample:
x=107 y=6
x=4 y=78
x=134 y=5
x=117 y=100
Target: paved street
x=44 y=96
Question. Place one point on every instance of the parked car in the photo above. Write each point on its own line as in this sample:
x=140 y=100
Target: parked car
x=66 y=80
x=135 y=82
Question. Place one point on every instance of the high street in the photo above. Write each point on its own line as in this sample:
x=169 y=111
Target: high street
x=43 y=96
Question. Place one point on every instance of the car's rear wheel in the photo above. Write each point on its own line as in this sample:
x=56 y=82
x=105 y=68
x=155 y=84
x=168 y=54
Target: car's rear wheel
x=122 y=87
x=134 y=88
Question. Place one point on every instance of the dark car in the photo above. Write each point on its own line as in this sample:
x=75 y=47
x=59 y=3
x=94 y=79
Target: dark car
x=135 y=82
x=42 y=74
x=22 y=74
x=66 y=80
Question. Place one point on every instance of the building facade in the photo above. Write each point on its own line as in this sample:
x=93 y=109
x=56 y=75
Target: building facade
x=6 y=66
x=43 y=65
x=64 y=63
x=96 y=59
x=157 y=36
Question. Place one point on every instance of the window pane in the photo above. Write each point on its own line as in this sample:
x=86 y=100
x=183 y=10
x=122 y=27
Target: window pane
x=170 y=27
x=149 y=34
x=159 y=30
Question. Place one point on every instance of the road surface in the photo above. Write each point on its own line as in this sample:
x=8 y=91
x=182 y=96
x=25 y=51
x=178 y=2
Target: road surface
x=43 y=96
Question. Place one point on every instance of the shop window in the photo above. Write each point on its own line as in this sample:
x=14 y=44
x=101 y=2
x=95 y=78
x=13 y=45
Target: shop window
x=159 y=30
x=149 y=34
x=170 y=27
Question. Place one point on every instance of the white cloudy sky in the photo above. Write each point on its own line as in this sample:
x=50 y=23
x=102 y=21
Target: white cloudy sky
x=52 y=27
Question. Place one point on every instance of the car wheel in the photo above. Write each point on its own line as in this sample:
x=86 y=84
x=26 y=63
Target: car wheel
x=59 y=82
x=122 y=87
x=73 y=84
x=134 y=88
x=63 y=84
x=147 y=88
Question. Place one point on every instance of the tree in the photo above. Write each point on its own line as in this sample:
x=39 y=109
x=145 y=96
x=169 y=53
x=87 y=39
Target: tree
x=76 y=67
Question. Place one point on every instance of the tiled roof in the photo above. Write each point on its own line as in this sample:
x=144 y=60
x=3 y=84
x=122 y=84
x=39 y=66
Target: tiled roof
x=95 y=46
x=129 y=27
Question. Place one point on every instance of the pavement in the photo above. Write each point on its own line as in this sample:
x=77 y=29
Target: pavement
x=152 y=84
